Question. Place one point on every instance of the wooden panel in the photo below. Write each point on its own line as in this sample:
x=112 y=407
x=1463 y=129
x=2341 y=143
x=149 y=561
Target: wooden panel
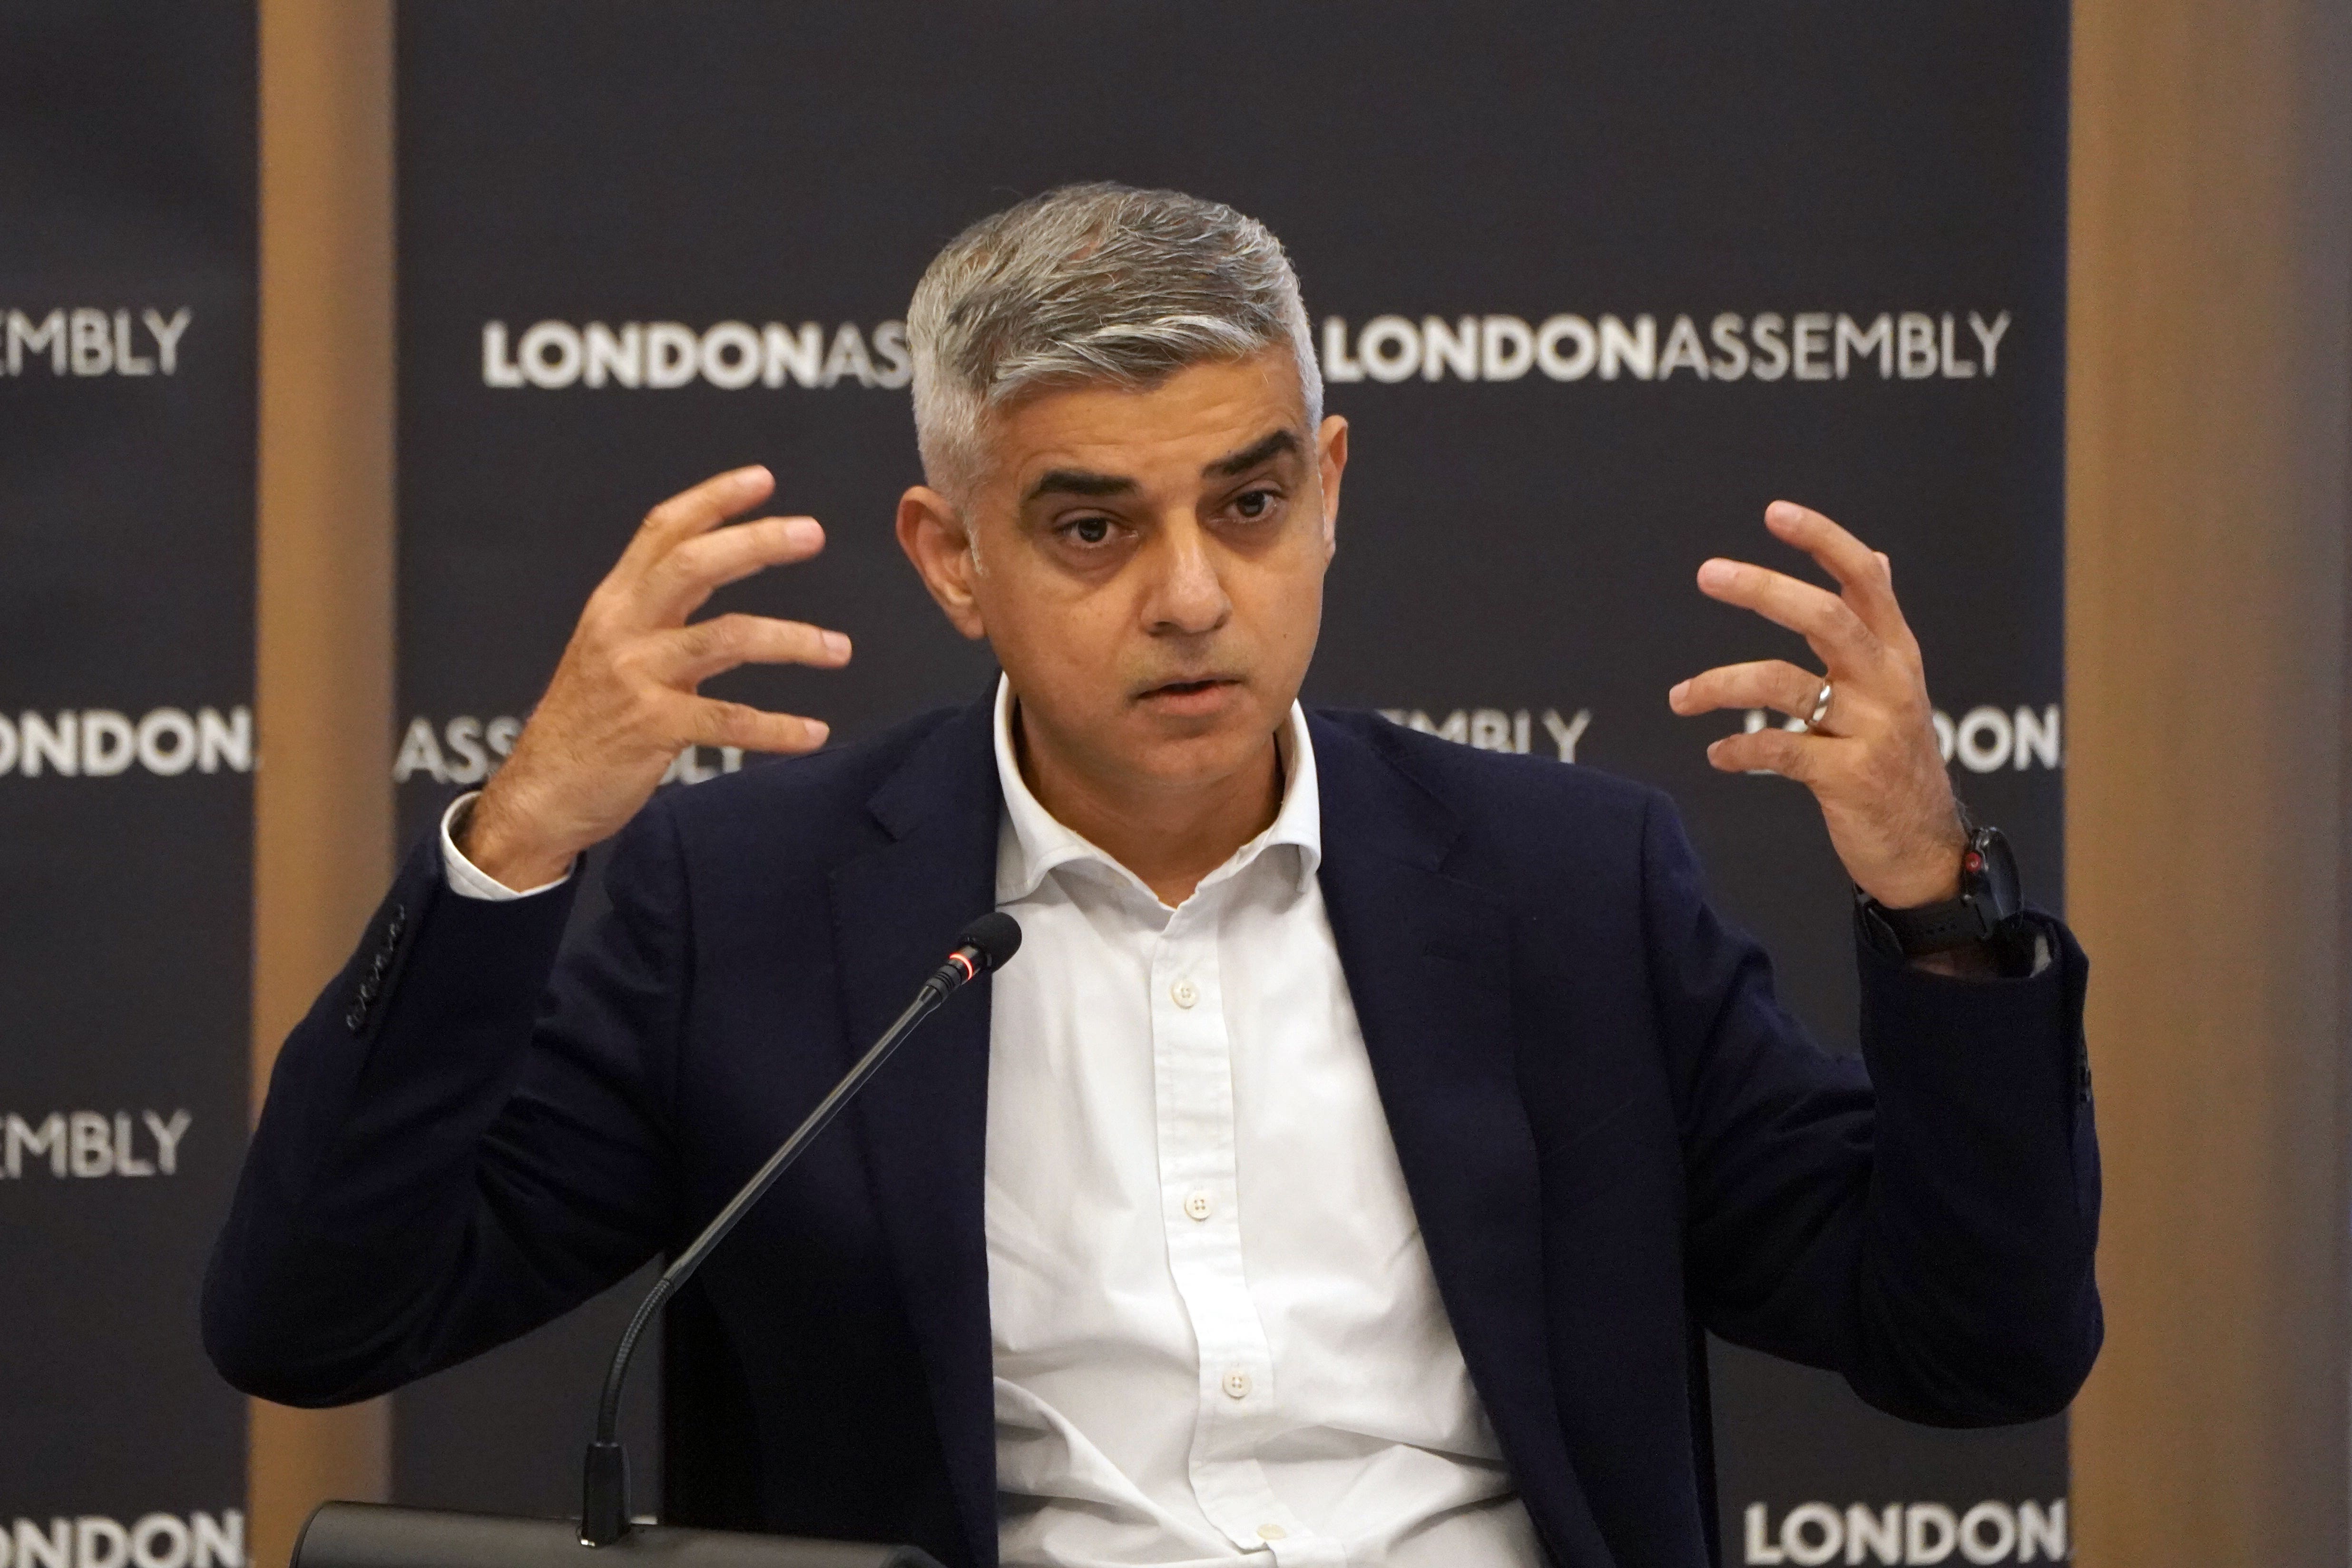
x=323 y=798
x=2206 y=761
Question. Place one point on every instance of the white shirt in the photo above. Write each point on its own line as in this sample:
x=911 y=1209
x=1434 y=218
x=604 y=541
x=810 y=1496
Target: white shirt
x=1217 y=1337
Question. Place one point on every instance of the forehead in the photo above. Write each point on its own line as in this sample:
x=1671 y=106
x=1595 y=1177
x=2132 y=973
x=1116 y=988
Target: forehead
x=1191 y=419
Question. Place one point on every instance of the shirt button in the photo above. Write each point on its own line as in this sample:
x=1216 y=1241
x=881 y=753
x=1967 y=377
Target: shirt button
x=1185 y=992
x=1271 y=1533
x=1237 y=1384
x=1198 y=1205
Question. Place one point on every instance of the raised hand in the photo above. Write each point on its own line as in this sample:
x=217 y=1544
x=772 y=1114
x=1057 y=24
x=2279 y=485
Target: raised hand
x=624 y=700
x=1871 y=757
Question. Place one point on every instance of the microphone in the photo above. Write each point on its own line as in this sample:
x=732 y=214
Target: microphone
x=983 y=945
x=362 y=1535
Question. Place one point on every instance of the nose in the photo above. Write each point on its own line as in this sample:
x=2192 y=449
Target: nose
x=1188 y=598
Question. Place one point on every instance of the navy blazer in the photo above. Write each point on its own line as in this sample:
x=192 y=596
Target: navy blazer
x=1611 y=1132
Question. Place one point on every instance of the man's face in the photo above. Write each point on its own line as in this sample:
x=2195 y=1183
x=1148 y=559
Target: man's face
x=1147 y=565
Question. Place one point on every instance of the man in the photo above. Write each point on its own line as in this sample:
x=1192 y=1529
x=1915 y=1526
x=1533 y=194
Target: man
x=1345 y=1169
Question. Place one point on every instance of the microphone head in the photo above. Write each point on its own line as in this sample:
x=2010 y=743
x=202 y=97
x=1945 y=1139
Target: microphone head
x=993 y=939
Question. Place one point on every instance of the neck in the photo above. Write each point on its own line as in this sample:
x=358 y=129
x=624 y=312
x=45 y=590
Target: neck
x=1170 y=838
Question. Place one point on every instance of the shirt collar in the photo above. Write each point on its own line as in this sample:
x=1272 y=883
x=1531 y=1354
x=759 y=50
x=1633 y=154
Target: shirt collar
x=1034 y=842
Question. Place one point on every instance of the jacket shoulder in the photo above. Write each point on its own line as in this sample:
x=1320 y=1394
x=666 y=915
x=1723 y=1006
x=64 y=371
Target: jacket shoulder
x=813 y=806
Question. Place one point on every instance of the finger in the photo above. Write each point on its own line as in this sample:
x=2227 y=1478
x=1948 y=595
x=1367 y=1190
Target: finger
x=1820 y=616
x=696 y=511
x=1768 y=683
x=692 y=654
x=675 y=587
x=1773 y=751
x=1865 y=573
x=711 y=722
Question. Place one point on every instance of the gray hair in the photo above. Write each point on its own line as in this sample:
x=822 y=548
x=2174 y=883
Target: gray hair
x=1091 y=283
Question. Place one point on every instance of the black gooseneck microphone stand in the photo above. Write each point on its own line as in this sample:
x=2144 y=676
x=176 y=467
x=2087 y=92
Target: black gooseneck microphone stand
x=371 y=1535
x=982 y=945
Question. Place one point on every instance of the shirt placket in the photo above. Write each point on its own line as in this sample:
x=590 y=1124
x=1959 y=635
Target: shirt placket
x=1200 y=1212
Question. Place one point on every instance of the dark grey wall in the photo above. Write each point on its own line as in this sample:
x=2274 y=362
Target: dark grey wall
x=1511 y=548
x=127 y=189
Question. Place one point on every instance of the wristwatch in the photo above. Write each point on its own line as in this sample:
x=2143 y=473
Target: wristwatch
x=1987 y=908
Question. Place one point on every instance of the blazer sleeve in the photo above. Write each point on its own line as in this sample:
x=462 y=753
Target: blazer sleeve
x=465 y=1137
x=1923 y=1221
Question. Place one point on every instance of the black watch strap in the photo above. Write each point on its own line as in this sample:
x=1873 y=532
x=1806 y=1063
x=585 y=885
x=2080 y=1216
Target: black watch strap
x=1938 y=928
x=1989 y=899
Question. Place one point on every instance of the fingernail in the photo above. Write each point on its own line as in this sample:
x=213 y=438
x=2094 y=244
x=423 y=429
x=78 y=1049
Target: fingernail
x=803 y=530
x=1675 y=696
x=753 y=471
x=1716 y=575
x=836 y=645
x=1783 y=512
x=818 y=730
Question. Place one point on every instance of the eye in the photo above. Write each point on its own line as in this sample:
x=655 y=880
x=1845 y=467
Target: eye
x=1254 y=504
x=1088 y=530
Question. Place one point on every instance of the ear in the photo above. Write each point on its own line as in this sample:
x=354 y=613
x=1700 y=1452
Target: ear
x=1331 y=462
x=931 y=531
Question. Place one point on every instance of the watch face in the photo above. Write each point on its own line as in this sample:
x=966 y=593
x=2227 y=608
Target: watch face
x=1989 y=870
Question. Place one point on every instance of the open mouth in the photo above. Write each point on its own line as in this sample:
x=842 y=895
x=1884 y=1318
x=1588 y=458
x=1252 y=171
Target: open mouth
x=1188 y=693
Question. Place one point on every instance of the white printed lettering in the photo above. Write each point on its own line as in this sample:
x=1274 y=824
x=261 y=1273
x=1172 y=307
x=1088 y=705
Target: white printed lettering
x=125 y=362
x=1683 y=350
x=1449 y=347
x=1336 y=365
x=498 y=368
x=1989 y=337
x=1636 y=350
x=167 y=336
x=1879 y=340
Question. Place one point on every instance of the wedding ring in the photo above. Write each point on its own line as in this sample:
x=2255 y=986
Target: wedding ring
x=1820 y=707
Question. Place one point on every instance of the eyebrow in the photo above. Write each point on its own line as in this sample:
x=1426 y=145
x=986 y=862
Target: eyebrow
x=1079 y=483
x=1250 y=456
x=1086 y=482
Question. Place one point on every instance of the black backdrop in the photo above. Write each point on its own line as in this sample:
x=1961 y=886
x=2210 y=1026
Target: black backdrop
x=127 y=183
x=1867 y=200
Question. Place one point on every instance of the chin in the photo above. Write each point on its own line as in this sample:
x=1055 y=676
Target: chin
x=1204 y=756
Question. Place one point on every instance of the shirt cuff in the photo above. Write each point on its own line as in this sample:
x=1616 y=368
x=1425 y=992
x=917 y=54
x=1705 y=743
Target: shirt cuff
x=469 y=880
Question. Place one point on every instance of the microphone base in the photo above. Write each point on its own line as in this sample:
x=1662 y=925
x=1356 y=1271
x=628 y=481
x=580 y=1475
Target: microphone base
x=373 y=1535
x=604 y=1495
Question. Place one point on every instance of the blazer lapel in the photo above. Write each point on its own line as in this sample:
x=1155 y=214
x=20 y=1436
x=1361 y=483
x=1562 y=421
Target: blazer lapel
x=924 y=1118
x=1428 y=964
